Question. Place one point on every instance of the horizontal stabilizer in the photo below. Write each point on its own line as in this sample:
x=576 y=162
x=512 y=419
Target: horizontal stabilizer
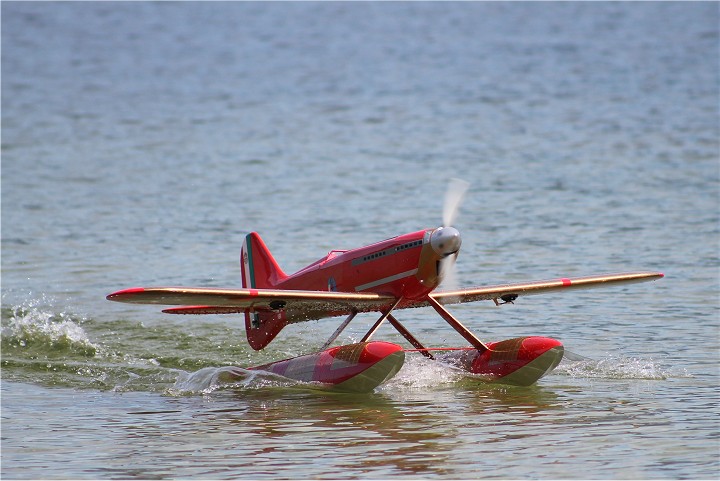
x=200 y=310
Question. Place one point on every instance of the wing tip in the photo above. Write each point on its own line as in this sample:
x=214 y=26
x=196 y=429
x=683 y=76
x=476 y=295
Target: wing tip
x=120 y=295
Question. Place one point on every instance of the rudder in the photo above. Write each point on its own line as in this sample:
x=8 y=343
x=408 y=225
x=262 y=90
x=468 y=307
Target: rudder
x=259 y=268
x=260 y=271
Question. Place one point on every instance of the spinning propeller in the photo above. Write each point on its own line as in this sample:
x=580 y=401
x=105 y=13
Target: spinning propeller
x=446 y=240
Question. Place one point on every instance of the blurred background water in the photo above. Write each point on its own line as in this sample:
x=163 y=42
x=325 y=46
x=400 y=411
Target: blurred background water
x=142 y=141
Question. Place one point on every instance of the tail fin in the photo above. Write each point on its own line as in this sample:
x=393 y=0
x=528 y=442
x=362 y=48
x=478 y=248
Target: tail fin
x=260 y=271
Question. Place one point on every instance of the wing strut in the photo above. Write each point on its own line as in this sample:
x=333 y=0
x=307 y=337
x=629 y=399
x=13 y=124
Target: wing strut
x=410 y=338
x=377 y=324
x=462 y=330
x=340 y=329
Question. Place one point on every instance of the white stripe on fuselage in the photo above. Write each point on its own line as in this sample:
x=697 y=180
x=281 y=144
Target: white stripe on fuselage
x=385 y=280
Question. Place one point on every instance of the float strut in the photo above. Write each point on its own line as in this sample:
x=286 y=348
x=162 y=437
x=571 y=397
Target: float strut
x=462 y=330
x=375 y=326
x=410 y=338
x=340 y=329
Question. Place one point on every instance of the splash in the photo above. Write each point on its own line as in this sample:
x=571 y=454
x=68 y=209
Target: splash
x=422 y=373
x=29 y=327
x=211 y=379
x=615 y=367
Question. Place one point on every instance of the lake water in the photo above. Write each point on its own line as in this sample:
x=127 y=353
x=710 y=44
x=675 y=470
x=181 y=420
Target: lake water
x=142 y=141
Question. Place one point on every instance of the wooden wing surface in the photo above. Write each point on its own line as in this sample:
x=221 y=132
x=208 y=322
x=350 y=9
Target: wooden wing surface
x=510 y=292
x=297 y=305
x=309 y=305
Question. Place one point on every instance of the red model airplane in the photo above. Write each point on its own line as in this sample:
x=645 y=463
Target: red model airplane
x=397 y=273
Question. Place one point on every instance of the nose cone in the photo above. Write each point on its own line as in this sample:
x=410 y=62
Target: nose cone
x=445 y=241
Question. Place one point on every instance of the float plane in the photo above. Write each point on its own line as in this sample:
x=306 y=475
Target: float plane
x=392 y=275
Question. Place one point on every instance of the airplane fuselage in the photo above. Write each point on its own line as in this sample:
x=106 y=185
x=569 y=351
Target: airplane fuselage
x=403 y=266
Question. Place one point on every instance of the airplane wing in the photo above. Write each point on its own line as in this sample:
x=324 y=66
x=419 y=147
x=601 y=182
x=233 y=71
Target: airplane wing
x=310 y=305
x=299 y=305
x=509 y=292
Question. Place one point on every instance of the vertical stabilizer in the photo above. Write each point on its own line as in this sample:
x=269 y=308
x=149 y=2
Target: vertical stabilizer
x=259 y=269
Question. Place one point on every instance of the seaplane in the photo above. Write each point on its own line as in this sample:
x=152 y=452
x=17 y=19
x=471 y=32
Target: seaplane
x=392 y=275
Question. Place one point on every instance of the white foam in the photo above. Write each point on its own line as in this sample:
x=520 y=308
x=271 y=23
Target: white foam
x=210 y=379
x=29 y=324
x=615 y=367
x=421 y=373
